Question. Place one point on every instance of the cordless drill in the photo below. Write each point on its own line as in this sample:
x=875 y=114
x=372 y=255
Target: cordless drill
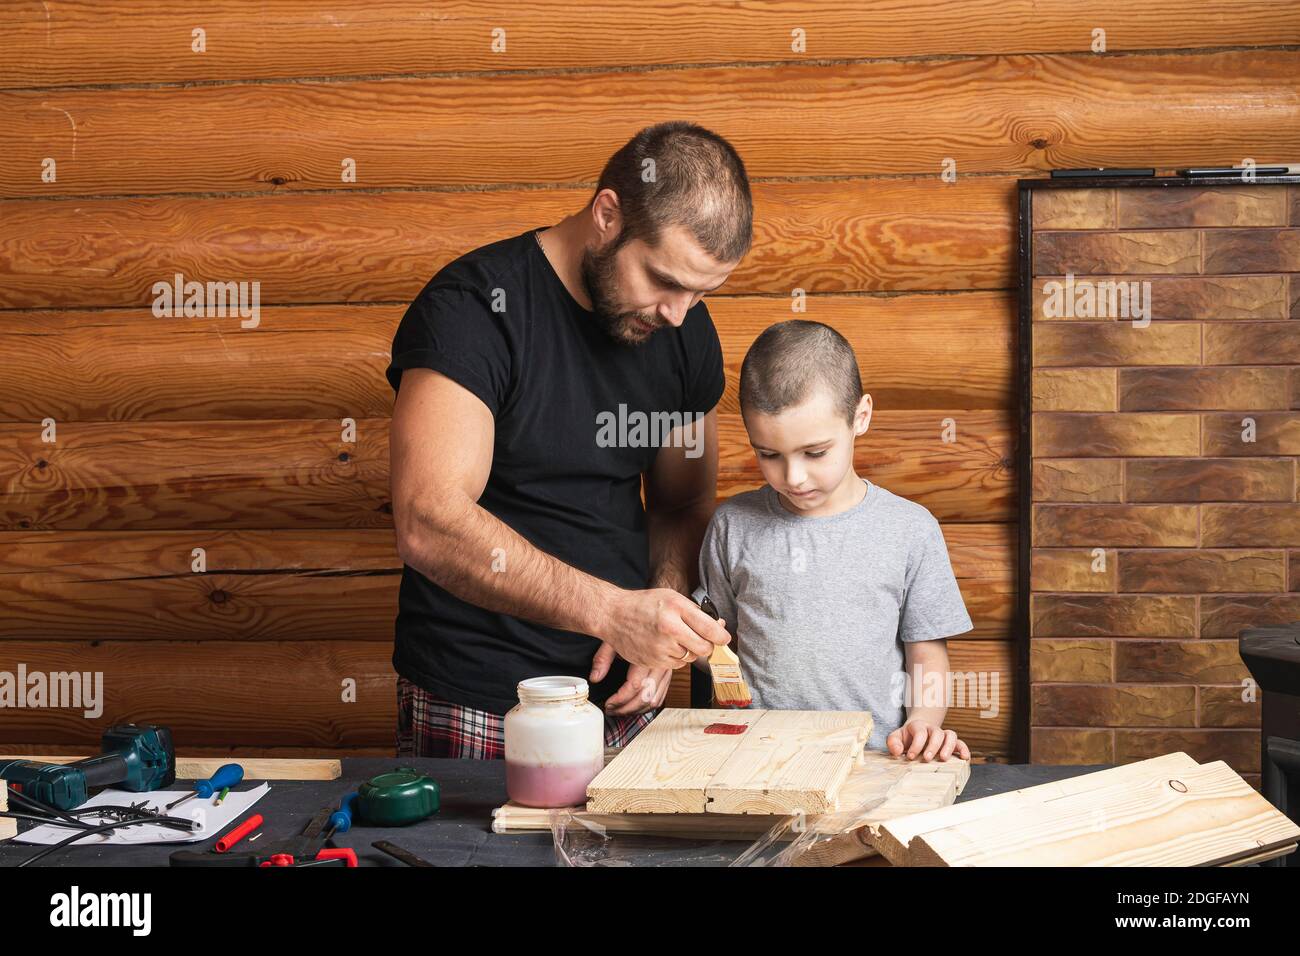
x=136 y=757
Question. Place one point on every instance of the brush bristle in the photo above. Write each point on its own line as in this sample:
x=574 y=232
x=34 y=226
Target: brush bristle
x=731 y=692
x=729 y=688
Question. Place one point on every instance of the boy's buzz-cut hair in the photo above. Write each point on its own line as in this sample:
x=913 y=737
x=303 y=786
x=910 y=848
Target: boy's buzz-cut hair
x=789 y=359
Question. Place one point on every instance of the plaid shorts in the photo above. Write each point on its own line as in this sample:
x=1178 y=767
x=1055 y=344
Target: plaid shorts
x=430 y=727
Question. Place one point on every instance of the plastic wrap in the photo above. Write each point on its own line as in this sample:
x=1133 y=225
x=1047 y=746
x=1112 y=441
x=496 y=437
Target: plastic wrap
x=797 y=839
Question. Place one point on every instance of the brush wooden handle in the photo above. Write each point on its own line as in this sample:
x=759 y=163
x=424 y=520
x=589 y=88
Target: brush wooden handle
x=723 y=654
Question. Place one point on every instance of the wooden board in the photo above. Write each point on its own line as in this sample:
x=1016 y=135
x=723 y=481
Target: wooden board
x=200 y=768
x=906 y=788
x=893 y=838
x=785 y=761
x=915 y=787
x=1153 y=814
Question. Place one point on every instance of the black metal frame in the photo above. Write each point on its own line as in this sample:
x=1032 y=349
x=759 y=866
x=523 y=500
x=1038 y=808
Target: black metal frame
x=1025 y=352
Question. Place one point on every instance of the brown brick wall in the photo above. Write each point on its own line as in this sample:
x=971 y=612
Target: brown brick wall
x=1158 y=530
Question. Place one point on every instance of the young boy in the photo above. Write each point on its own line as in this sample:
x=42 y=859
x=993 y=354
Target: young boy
x=829 y=584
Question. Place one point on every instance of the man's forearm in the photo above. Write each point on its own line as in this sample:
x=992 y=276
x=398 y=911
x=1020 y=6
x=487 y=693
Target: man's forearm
x=480 y=559
x=675 y=538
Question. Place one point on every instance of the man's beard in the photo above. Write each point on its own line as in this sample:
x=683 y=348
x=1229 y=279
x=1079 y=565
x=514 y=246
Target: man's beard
x=600 y=281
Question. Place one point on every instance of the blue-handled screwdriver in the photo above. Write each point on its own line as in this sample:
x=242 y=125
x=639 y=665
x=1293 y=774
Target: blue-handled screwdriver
x=341 y=819
x=228 y=775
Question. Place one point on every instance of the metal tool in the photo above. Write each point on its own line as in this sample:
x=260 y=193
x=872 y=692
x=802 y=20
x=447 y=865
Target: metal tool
x=398 y=853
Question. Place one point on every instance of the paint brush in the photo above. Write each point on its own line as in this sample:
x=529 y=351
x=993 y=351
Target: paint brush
x=729 y=687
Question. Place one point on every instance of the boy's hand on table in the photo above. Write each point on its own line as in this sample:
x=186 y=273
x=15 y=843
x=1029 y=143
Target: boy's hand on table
x=929 y=740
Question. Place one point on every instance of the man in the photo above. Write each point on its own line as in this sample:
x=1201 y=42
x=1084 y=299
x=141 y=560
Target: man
x=517 y=478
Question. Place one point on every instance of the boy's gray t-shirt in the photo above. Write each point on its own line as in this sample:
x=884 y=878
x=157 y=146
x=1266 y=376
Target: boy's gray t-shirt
x=821 y=604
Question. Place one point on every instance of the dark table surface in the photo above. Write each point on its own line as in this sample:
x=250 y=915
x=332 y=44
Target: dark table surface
x=460 y=834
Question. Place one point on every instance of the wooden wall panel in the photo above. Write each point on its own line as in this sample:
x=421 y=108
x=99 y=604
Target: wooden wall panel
x=329 y=361
x=990 y=114
x=67 y=45
x=222 y=474
x=218 y=693
x=838 y=236
x=244 y=695
x=110 y=476
x=286 y=584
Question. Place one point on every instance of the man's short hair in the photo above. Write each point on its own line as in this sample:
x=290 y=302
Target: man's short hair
x=677 y=173
x=789 y=359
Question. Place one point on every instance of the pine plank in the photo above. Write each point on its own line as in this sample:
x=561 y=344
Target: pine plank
x=199 y=768
x=915 y=789
x=222 y=754
x=893 y=838
x=1205 y=816
x=790 y=761
x=777 y=765
x=667 y=766
x=881 y=788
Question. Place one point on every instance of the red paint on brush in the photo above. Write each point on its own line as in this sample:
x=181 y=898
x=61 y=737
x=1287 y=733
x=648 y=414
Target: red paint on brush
x=725 y=729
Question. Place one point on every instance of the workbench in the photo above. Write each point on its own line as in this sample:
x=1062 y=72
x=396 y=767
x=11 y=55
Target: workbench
x=460 y=833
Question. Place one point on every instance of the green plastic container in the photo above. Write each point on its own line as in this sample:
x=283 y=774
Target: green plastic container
x=396 y=799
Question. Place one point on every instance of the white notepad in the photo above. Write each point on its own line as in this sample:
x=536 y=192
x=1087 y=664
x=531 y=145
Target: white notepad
x=212 y=819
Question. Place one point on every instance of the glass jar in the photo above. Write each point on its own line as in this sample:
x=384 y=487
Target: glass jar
x=555 y=743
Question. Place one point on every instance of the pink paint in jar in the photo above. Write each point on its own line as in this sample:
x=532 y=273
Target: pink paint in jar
x=555 y=743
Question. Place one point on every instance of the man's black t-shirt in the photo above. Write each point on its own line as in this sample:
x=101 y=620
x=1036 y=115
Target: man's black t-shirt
x=499 y=322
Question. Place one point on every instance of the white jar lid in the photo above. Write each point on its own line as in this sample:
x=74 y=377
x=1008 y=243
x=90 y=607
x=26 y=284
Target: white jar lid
x=552 y=688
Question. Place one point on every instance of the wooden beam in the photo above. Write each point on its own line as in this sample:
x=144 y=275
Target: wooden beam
x=200 y=768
